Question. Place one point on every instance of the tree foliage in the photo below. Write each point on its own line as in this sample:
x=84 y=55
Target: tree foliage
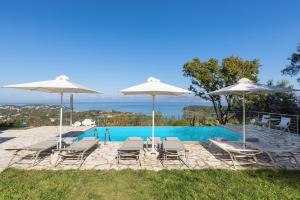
x=286 y=103
x=293 y=69
x=208 y=76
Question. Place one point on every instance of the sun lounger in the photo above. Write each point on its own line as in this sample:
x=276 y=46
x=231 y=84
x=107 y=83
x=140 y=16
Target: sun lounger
x=36 y=151
x=77 y=124
x=88 y=122
x=274 y=152
x=237 y=152
x=78 y=150
x=172 y=148
x=130 y=149
x=284 y=124
x=264 y=120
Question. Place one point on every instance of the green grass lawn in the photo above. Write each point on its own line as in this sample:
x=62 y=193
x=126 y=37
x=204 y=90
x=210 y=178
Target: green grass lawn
x=129 y=184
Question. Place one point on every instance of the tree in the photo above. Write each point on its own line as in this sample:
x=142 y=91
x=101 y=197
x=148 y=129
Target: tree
x=274 y=103
x=209 y=76
x=293 y=69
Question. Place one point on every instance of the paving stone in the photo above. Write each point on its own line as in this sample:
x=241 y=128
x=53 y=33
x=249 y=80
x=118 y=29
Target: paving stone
x=201 y=155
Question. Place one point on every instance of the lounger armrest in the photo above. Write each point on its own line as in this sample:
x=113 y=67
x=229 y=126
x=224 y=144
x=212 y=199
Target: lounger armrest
x=14 y=149
x=249 y=152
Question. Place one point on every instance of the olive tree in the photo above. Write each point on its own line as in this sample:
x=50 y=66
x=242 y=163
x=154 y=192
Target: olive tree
x=208 y=76
x=293 y=69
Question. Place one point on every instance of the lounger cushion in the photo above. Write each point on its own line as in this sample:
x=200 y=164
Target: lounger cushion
x=48 y=144
x=135 y=138
x=82 y=145
x=233 y=147
x=132 y=145
x=173 y=145
x=172 y=138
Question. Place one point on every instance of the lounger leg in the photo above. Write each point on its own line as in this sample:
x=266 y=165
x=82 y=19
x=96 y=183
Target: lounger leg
x=232 y=159
x=147 y=144
x=81 y=159
x=57 y=161
x=184 y=163
x=294 y=158
x=271 y=157
x=138 y=159
x=36 y=157
x=255 y=159
x=187 y=156
x=164 y=158
x=14 y=155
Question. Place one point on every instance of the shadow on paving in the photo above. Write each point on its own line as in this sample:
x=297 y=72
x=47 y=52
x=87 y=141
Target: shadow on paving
x=224 y=156
x=73 y=134
x=4 y=139
x=216 y=152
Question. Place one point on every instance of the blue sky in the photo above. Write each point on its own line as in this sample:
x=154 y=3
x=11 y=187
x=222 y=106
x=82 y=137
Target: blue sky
x=111 y=45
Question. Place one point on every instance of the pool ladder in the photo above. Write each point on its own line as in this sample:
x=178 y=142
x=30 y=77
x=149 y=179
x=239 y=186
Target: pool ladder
x=106 y=135
x=96 y=135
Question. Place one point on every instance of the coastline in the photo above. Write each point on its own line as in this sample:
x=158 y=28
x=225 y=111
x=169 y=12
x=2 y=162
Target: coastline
x=166 y=108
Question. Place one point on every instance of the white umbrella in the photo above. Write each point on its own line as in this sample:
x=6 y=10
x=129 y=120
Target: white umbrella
x=246 y=86
x=61 y=84
x=154 y=87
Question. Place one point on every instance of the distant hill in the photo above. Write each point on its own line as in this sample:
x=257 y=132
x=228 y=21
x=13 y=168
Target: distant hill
x=41 y=115
x=199 y=109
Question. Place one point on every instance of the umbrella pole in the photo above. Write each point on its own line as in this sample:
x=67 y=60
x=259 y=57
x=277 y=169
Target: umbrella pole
x=153 y=117
x=60 y=123
x=72 y=108
x=244 y=121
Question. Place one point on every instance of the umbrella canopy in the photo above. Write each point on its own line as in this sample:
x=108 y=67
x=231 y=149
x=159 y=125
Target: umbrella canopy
x=154 y=87
x=246 y=86
x=61 y=84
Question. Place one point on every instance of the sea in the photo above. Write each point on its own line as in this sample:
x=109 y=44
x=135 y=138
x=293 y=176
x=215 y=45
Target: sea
x=166 y=108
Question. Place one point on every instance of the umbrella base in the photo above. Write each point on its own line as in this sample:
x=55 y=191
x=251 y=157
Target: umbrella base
x=152 y=154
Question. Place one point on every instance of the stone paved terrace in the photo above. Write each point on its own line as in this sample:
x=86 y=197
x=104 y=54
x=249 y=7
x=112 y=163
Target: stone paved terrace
x=25 y=137
x=201 y=155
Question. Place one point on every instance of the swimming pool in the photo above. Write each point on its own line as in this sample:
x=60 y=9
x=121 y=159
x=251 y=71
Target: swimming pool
x=184 y=133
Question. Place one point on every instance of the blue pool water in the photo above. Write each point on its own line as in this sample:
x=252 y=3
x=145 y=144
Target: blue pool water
x=184 y=133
